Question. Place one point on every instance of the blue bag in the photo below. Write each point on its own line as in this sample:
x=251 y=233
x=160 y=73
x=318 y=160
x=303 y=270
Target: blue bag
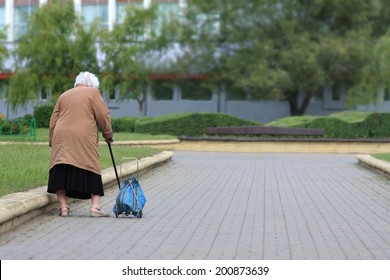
x=130 y=199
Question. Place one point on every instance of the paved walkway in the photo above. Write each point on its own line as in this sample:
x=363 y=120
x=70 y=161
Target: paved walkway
x=228 y=206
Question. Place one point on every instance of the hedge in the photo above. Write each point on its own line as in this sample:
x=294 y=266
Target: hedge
x=42 y=115
x=123 y=124
x=188 y=124
x=376 y=125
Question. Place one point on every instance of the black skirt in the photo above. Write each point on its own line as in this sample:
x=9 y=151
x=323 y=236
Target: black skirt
x=76 y=182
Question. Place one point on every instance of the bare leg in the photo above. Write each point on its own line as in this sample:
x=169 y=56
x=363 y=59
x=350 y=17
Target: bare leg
x=95 y=202
x=63 y=200
x=95 y=207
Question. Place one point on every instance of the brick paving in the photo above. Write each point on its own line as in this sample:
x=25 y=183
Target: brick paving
x=205 y=205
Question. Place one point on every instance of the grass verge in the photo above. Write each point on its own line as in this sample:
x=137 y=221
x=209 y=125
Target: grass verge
x=347 y=116
x=42 y=135
x=384 y=157
x=24 y=166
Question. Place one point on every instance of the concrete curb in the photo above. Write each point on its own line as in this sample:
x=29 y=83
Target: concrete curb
x=17 y=208
x=142 y=142
x=345 y=147
x=375 y=164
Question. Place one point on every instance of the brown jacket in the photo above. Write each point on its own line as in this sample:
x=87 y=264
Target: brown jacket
x=73 y=128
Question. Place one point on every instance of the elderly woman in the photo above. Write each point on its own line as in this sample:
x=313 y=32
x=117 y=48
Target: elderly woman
x=75 y=164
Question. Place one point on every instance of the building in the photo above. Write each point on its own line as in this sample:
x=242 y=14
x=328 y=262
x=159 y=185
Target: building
x=13 y=18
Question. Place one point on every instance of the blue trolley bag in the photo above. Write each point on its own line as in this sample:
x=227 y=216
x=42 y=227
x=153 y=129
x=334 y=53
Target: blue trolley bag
x=131 y=198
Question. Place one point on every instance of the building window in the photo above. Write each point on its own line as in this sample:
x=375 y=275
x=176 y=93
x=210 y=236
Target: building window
x=2 y=15
x=204 y=22
x=337 y=92
x=112 y=95
x=166 y=10
x=3 y=88
x=44 y=94
x=236 y=93
x=121 y=6
x=23 y=10
x=195 y=90
x=162 y=90
x=386 y=94
x=92 y=10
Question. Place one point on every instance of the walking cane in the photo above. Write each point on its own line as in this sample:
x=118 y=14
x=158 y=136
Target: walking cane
x=113 y=162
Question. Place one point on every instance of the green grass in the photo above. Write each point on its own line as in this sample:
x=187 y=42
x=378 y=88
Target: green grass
x=385 y=157
x=292 y=121
x=347 y=116
x=42 y=135
x=351 y=116
x=24 y=166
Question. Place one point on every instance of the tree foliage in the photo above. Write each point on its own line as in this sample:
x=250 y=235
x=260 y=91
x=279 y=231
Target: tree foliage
x=282 y=49
x=265 y=49
x=53 y=51
x=3 y=50
x=126 y=50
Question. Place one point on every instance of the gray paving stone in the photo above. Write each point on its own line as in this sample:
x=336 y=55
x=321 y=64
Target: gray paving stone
x=228 y=206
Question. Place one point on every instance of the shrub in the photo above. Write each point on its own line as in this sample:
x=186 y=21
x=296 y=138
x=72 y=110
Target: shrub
x=187 y=124
x=123 y=124
x=42 y=115
x=378 y=125
x=28 y=117
x=374 y=125
x=335 y=128
x=19 y=126
x=4 y=126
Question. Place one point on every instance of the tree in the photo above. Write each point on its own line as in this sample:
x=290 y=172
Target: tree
x=3 y=50
x=52 y=52
x=319 y=43
x=126 y=49
x=280 y=49
x=374 y=77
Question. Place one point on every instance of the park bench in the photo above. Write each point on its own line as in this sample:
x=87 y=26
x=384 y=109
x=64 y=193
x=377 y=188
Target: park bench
x=264 y=130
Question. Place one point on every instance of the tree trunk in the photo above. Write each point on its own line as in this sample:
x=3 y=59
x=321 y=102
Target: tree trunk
x=141 y=101
x=141 y=106
x=293 y=101
x=295 y=108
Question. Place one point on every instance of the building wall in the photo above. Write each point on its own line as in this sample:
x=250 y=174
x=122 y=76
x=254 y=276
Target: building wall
x=260 y=111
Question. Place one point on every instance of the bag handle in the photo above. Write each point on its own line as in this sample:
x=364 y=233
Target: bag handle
x=129 y=158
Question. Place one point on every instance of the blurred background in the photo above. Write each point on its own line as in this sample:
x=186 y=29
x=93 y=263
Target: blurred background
x=259 y=60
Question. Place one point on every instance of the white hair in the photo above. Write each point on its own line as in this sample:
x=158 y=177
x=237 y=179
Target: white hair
x=87 y=79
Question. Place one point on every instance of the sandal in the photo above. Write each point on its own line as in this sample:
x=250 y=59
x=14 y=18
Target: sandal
x=99 y=213
x=64 y=211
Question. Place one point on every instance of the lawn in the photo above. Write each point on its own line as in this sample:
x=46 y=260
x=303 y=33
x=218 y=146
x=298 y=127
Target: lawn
x=385 y=157
x=42 y=135
x=347 y=116
x=24 y=166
